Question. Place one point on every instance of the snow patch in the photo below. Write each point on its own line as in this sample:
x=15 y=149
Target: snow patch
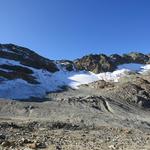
x=4 y=49
x=9 y=62
x=131 y=66
x=145 y=69
x=19 y=89
x=79 y=78
x=113 y=76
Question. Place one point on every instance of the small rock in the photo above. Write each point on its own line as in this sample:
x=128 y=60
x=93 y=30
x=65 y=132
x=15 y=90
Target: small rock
x=2 y=136
x=58 y=147
x=41 y=145
x=33 y=146
x=6 y=144
x=26 y=141
x=112 y=147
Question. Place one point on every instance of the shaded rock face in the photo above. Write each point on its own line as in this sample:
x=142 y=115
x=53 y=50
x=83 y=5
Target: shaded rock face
x=136 y=58
x=117 y=59
x=67 y=64
x=25 y=57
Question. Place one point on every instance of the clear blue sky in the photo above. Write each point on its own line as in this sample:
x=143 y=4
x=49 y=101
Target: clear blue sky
x=72 y=28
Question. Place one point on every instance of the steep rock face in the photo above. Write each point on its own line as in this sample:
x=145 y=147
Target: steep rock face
x=117 y=59
x=24 y=59
x=95 y=63
x=66 y=64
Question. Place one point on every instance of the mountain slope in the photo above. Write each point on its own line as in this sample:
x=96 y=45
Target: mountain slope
x=95 y=102
x=25 y=74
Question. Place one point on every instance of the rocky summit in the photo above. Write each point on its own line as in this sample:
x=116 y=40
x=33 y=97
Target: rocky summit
x=97 y=102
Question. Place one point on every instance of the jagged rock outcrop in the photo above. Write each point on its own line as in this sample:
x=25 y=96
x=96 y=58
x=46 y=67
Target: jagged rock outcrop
x=102 y=63
x=67 y=64
x=117 y=59
x=136 y=58
x=95 y=63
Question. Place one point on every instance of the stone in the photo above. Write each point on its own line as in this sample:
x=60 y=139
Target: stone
x=33 y=146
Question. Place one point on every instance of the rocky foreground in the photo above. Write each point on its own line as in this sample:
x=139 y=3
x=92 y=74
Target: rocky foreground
x=98 y=116
x=67 y=136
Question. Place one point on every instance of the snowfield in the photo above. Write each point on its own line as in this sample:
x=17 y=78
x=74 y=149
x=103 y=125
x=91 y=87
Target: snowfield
x=145 y=69
x=131 y=66
x=20 y=89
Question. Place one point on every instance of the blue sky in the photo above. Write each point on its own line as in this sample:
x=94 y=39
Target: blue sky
x=67 y=29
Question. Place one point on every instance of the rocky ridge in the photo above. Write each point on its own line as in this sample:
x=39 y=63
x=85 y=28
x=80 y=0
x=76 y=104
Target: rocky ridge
x=102 y=63
x=96 y=63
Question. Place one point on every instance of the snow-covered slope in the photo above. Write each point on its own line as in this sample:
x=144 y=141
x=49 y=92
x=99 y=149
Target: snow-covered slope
x=21 y=89
x=131 y=66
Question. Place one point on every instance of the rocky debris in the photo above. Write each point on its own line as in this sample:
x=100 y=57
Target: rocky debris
x=77 y=130
x=101 y=84
x=98 y=103
x=8 y=144
x=103 y=137
x=134 y=89
x=2 y=136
